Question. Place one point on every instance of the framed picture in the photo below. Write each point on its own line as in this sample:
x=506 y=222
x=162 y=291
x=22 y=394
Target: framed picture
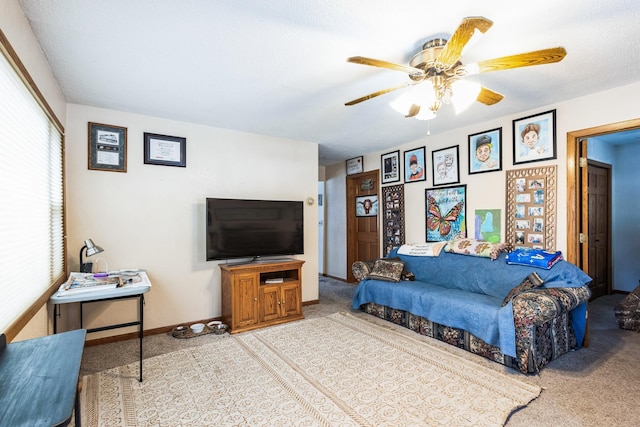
x=367 y=205
x=488 y=225
x=446 y=213
x=354 y=165
x=534 y=138
x=165 y=150
x=531 y=207
x=393 y=219
x=390 y=167
x=415 y=165
x=485 y=151
x=446 y=166
x=107 y=147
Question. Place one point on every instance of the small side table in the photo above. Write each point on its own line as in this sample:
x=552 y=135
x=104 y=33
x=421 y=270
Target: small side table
x=39 y=380
x=134 y=290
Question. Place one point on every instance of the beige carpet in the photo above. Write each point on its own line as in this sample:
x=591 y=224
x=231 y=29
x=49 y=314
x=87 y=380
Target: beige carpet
x=333 y=370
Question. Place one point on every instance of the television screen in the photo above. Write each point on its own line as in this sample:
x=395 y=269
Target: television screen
x=239 y=228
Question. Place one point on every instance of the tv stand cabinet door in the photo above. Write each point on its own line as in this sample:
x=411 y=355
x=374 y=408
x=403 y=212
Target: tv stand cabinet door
x=245 y=300
x=269 y=303
x=291 y=300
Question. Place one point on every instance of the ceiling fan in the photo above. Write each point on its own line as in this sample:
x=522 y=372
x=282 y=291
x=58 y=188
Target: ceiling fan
x=438 y=64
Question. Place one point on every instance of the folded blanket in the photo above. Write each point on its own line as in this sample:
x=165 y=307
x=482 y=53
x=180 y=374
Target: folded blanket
x=421 y=249
x=534 y=257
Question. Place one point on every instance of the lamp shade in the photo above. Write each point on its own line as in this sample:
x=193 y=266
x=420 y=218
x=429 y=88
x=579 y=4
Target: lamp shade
x=92 y=248
x=464 y=94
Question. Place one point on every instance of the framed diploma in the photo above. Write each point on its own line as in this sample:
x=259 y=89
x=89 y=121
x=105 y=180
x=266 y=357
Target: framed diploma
x=165 y=150
x=107 y=147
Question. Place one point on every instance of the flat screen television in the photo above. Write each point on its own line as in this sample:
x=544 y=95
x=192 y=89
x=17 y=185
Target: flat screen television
x=238 y=228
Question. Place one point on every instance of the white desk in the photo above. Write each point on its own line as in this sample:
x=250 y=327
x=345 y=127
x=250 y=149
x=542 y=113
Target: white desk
x=104 y=293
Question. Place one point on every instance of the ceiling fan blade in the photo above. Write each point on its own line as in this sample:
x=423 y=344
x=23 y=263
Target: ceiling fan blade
x=413 y=111
x=538 y=57
x=384 y=64
x=459 y=39
x=374 y=94
x=489 y=97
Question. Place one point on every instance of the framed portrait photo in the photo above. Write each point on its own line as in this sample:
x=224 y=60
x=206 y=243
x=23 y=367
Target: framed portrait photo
x=390 y=167
x=534 y=138
x=446 y=164
x=485 y=151
x=165 y=150
x=415 y=165
x=107 y=147
x=354 y=165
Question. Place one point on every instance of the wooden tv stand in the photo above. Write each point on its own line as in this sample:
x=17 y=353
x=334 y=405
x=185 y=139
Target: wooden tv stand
x=249 y=302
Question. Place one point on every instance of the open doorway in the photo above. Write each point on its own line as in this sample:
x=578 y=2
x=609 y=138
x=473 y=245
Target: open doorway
x=589 y=232
x=321 y=231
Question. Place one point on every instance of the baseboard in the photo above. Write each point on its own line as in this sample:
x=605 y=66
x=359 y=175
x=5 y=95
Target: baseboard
x=146 y=333
x=342 y=279
x=161 y=330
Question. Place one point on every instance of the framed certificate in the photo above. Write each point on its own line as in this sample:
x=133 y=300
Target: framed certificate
x=107 y=147
x=165 y=150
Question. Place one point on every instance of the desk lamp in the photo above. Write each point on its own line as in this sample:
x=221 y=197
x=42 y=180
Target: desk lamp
x=91 y=249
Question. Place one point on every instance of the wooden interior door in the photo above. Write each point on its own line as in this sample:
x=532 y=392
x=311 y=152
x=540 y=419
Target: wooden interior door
x=599 y=237
x=362 y=231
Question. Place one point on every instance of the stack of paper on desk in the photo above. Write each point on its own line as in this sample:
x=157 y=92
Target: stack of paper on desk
x=87 y=282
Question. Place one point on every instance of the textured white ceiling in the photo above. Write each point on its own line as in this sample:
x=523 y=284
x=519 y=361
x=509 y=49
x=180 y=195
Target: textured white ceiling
x=279 y=67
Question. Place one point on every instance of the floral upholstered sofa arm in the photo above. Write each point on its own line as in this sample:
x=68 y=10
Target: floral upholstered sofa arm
x=544 y=326
x=540 y=305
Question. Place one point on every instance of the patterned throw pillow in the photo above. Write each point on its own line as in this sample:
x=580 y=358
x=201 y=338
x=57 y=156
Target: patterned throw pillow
x=390 y=271
x=361 y=269
x=530 y=282
x=466 y=246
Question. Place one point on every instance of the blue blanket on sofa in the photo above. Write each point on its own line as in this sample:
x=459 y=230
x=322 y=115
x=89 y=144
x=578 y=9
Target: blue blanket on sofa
x=466 y=292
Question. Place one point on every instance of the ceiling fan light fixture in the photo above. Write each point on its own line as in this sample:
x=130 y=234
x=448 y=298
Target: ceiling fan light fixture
x=424 y=94
x=463 y=94
x=436 y=72
x=425 y=114
x=403 y=103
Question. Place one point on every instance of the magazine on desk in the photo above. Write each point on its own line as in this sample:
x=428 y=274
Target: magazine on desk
x=89 y=282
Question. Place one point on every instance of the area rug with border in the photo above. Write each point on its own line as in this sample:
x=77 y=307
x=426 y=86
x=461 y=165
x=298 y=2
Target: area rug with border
x=337 y=370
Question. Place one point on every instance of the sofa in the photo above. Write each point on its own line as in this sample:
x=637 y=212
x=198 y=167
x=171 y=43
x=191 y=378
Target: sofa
x=518 y=315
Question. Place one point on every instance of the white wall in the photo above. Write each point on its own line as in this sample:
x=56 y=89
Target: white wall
x=486 y=190
x=625 y=232
x=152 y=216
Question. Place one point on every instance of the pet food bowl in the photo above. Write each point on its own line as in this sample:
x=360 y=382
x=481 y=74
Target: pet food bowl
x=214 y=324
x=179 y=331
x=220 y=329
x=196 y=328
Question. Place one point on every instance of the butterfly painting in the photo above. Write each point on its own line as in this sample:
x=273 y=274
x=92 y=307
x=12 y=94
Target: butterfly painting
x=445 y=213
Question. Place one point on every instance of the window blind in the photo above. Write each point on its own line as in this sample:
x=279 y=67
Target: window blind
x=31 y=195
